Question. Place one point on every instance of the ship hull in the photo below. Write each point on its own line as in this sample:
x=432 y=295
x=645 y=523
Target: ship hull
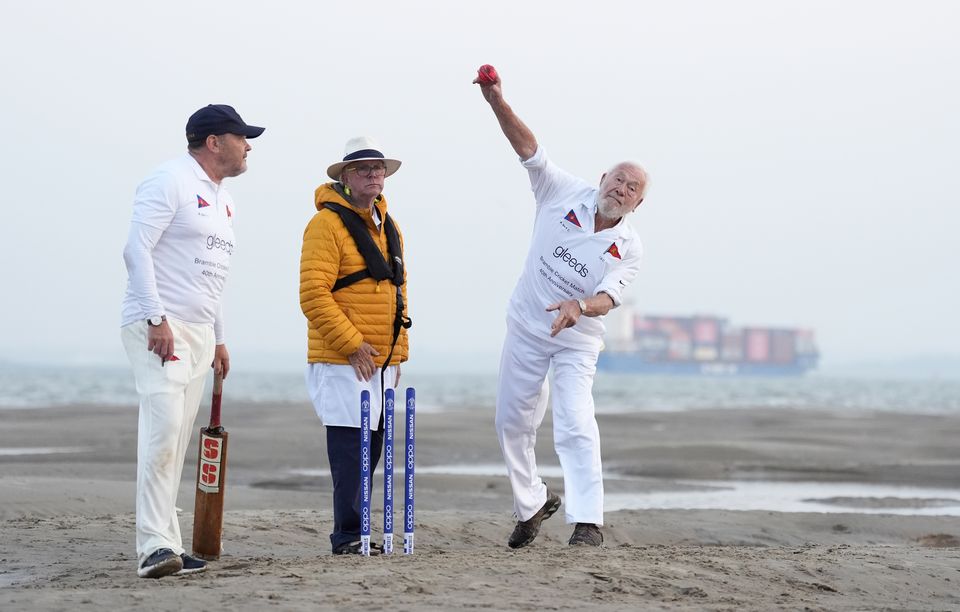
x=634 y=364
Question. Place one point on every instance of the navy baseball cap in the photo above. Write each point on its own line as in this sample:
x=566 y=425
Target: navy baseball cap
x=217 y=119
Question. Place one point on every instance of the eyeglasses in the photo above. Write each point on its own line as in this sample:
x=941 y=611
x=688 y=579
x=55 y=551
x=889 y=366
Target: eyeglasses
x=368 y=170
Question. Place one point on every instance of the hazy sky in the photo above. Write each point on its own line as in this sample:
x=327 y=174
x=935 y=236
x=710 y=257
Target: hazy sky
x=803 y=157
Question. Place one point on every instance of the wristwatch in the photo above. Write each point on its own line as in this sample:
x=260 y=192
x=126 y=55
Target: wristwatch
x=155 y=321
x=583 y=306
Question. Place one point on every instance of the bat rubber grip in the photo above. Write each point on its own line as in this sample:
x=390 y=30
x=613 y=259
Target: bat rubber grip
x=215 y=401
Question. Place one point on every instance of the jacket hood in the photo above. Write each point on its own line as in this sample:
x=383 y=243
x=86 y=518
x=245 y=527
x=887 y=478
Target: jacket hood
x=328 y=193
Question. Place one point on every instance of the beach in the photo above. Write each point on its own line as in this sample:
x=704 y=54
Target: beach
x=67 y=478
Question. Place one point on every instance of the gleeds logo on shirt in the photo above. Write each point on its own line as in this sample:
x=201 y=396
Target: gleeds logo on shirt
x=563 y=254
x=216 y=242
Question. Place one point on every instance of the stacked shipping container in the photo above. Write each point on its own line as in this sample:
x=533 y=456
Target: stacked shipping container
x=699 y=344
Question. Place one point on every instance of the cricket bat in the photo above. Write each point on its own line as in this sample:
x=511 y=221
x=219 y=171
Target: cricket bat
x=211 y=481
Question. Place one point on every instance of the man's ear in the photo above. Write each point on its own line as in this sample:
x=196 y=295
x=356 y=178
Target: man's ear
x=214 y=145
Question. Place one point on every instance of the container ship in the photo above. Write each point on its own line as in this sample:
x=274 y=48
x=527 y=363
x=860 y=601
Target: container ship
x=705 y=345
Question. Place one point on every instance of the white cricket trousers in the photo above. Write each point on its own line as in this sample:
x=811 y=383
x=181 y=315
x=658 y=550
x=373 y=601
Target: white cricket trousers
x=169 y=399
x=521 y=405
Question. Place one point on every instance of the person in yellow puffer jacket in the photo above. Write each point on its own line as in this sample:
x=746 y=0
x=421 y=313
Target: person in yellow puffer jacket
x=352 y=329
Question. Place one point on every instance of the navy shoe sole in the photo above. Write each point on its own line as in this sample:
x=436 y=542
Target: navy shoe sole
x=166 y=567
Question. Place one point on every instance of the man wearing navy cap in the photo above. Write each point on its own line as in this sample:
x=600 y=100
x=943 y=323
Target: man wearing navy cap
x=178 y=258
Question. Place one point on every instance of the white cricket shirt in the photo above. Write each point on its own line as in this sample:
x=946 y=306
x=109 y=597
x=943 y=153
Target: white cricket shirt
x=179 y=247
x=567 y=259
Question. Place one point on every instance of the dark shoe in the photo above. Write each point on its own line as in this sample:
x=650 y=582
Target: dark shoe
x=191 y=565
x=353 y=548
x=586 y=534
x=161 y=563
x=527 y=530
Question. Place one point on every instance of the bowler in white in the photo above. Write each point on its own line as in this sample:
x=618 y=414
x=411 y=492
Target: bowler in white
x=582 y=257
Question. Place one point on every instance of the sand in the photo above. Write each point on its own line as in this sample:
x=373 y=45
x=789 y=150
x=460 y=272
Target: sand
x=66 y=518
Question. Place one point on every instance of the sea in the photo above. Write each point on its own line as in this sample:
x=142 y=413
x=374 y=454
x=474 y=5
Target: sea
x=35 y=387
x=38 y=387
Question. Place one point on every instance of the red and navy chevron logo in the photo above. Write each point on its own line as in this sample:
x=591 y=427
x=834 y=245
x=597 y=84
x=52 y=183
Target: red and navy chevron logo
x=201 y=203
x=572 y=218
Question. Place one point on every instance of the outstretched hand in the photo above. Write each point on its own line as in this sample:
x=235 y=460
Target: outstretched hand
x=567 y=316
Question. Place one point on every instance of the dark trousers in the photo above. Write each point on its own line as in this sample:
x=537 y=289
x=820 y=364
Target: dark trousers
x=343 y=453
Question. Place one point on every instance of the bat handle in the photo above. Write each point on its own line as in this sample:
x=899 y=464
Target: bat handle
x=215 y=401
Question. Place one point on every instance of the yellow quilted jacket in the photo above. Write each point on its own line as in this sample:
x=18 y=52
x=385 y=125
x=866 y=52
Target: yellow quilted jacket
x=338 y=322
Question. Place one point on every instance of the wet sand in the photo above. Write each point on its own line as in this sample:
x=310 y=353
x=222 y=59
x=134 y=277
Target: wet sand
x=66 y=518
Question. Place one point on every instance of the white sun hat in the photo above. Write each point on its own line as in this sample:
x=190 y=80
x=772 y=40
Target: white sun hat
x=358 y=149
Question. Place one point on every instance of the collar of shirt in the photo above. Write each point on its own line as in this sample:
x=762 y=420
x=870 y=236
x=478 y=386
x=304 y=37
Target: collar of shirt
x=200 y=172
x=590 y=224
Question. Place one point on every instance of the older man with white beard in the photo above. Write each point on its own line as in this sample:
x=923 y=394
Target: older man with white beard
x=582 y=256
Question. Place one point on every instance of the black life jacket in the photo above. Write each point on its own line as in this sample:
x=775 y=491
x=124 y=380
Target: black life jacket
x=377 y=268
